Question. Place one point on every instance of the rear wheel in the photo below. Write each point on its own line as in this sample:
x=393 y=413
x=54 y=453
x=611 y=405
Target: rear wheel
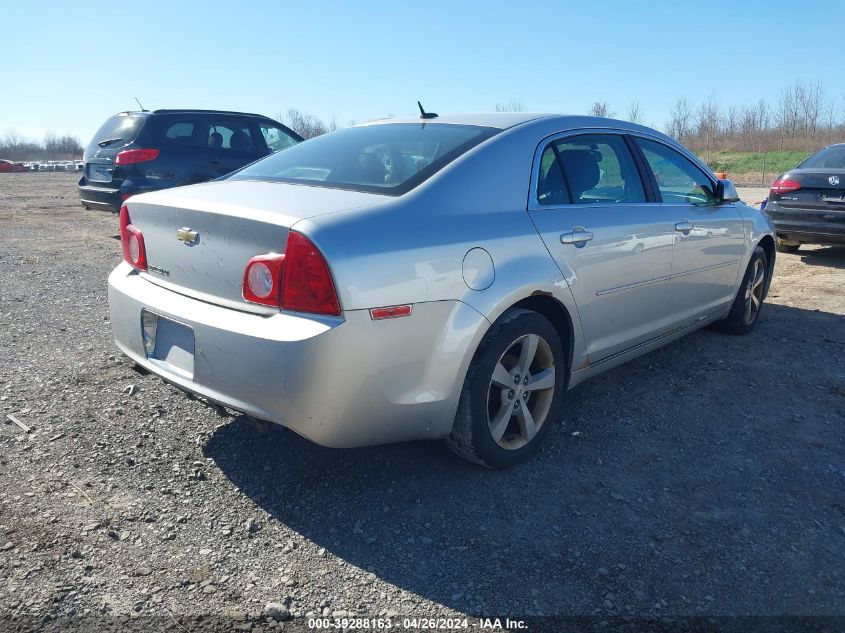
x=749 y=299
x=783 y=246
x=512 y=392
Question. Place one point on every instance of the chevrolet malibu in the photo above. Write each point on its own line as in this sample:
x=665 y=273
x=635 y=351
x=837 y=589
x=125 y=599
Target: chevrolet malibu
x=443 y=277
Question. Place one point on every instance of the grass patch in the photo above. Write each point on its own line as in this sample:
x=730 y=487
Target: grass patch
x=749 y=162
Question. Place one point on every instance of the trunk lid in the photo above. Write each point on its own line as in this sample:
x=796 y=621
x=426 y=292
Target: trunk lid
x=233 y=222
x=819 y=204
x=114 y=135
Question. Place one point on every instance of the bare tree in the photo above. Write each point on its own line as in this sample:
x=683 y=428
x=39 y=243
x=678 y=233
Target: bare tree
x=635 y=113
x=514 y=105
x=680 y=121
x=601 y=108
x=306 y=125
x=708 y=123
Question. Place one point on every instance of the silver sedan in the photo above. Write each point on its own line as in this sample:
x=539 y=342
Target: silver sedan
x=443 y=277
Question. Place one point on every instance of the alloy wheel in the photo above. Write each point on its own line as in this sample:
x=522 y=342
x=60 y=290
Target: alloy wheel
x=754 y=292
x=521 y=391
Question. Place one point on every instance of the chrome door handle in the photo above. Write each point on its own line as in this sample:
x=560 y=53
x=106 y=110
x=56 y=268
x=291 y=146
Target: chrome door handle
x=684 y=226
x=579 y=235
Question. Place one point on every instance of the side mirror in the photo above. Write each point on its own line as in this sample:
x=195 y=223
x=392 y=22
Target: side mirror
x=726 y=192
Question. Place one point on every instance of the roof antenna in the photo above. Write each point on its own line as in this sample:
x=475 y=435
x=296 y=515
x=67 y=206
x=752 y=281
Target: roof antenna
x=139 y=105
x=424 y=114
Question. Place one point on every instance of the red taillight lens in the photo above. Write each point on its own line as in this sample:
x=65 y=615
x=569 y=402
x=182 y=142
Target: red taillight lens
x=263 y=280
x=307 y=285
x=782 y=186
x=132 y=156
x=133 y=241
x=299 y=280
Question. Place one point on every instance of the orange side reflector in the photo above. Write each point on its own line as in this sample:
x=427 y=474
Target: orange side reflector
x=389 y=312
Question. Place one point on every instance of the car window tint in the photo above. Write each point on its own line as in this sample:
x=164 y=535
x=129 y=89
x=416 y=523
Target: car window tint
x=276 y=138
x=229 y=135
x=828 y=158
x=599 y=169
x=181 y=132
x=551 y=185
x=678 y=179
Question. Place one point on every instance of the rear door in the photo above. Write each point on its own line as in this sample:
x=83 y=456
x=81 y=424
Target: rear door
x=185 y=156
x=611 y=242
x=709 y=235
x=233 y=143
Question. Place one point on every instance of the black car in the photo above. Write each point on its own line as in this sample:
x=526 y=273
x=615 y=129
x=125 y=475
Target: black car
x=135 y=152
x=808 y=203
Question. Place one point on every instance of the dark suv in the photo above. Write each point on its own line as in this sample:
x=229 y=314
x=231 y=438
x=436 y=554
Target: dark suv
x=135 y=152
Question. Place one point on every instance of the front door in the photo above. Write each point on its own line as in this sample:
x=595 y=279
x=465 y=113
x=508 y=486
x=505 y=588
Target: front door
x=709 y=235
x=613 y=246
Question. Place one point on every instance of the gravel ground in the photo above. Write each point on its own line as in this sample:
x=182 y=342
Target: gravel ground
x=706 y=478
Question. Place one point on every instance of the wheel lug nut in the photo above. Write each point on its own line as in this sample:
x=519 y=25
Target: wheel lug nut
x=525 y=380
x=516 y=404
x=516 y=379
x=510 y=394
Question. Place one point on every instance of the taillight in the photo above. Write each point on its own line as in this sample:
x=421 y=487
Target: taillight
x=263 y=280
x=299 y=280
x=782 y=186
x=133 y=241
x=132 y=156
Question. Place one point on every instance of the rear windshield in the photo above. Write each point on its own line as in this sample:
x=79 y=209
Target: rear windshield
x=119 y=130
x=390 y=158
x=830 y=157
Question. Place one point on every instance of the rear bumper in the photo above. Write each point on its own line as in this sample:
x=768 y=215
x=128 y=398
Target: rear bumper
x=338 y=382
x=99 y=197
x=817 y=226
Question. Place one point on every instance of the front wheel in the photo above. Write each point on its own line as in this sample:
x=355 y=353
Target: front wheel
x=512 y=392
x=749 y=299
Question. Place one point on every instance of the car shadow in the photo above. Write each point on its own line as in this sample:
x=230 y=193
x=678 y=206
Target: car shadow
x=830 y=256
x=677 y=481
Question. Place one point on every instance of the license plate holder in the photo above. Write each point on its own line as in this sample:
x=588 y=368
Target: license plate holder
x=168 y=343
x=99 y=173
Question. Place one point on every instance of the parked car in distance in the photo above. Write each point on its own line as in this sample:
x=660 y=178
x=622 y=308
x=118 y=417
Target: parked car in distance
x=137 y=152
x=807 y=203
x=7 y=166
x=448 y=277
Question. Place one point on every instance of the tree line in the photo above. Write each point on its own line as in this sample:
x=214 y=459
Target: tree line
x=803 y=118
x=13 y=146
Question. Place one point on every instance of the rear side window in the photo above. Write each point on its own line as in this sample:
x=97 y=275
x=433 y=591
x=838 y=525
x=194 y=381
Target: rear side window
x=181 y=132
x=117 y=131
x=276 y=138
x=232 y=136
x=589 y=169
x=678 y=179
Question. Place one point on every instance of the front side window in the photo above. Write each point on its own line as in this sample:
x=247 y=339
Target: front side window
x=388 y=158
x=678 y=179
x=276 y=138
x=589 y=169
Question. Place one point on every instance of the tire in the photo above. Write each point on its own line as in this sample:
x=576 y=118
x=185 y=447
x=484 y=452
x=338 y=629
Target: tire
x=748 y=303
x=491 y=427
x=783 y=247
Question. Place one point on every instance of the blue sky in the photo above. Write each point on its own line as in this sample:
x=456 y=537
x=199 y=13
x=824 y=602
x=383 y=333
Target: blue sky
x=70 y=65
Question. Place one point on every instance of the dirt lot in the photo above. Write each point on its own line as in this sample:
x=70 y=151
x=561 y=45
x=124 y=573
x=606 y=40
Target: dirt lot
x=707 y=478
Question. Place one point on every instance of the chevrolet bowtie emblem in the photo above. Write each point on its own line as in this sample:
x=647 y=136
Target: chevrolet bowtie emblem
x=187 y=236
